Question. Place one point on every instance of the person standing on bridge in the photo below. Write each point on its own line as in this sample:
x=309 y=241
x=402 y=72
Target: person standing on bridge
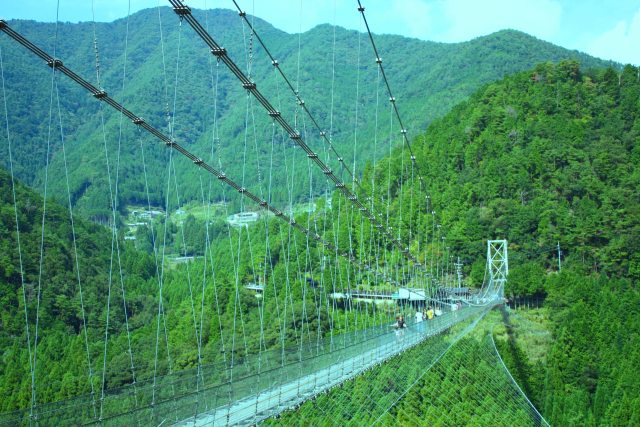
x=430 y=313
x=400 y=323
x=419 y=317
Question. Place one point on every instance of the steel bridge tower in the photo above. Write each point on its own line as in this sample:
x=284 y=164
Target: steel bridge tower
x=498 y=266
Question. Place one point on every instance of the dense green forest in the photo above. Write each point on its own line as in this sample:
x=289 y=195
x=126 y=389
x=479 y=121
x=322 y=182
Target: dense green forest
x=452 y=379
x=109 y=292
x=208 y=112
x=582 y=374
x=544 y=157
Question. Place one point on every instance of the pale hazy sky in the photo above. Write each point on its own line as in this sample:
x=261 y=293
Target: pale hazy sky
x=608 y=29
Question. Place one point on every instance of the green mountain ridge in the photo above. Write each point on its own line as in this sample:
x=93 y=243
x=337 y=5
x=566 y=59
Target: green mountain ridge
x=548 y=154
x=545 y=155
x=428 y=79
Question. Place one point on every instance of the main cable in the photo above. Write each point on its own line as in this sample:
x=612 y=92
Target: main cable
x=102 y=95
x=392 y=99
x=184 y=12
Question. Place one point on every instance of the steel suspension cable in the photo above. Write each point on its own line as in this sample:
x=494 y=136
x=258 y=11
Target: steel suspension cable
x=372 y=241
x=189 y=284
x=330 y=309
x=110 y=279
x=15 y=212
x=75 y=256
x=184 y=13
x=171 y=127
x=355 y=152
x=44 y=213
x=101 y=95
x=262 y=195
x=302 y=278
x=115 y=205
x=515 y=383
x=215 y=137
x=403 y=130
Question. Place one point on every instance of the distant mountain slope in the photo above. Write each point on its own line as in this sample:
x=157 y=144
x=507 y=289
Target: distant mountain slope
x=544 y=156
x=428 y=79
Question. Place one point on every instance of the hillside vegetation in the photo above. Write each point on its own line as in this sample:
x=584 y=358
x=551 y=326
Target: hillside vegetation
x=544 y=156
x=208 y=113
x=104 y=322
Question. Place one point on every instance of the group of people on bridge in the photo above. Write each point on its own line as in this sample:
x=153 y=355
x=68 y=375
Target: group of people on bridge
x=428 y=313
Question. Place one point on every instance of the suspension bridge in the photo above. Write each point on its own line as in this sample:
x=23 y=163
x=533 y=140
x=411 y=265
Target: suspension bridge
x=336 y=289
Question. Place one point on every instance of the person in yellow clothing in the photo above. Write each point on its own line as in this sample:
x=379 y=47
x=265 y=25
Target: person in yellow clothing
x=430 y=313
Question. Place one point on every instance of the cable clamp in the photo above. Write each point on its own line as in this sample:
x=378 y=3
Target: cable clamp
x=378 y=60
x=249 y=85
x=137 y=121
x=55 y=63
x=360 y=9
x=219 y=51
x=392 y=99
x=182 y=10
x=198 y=162
x=101 y=94
x=274 y=113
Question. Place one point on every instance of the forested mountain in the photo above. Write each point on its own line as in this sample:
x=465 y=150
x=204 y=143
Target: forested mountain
x=97 y=312
x=170 y=76
x=50 y=286
x=544 y=156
